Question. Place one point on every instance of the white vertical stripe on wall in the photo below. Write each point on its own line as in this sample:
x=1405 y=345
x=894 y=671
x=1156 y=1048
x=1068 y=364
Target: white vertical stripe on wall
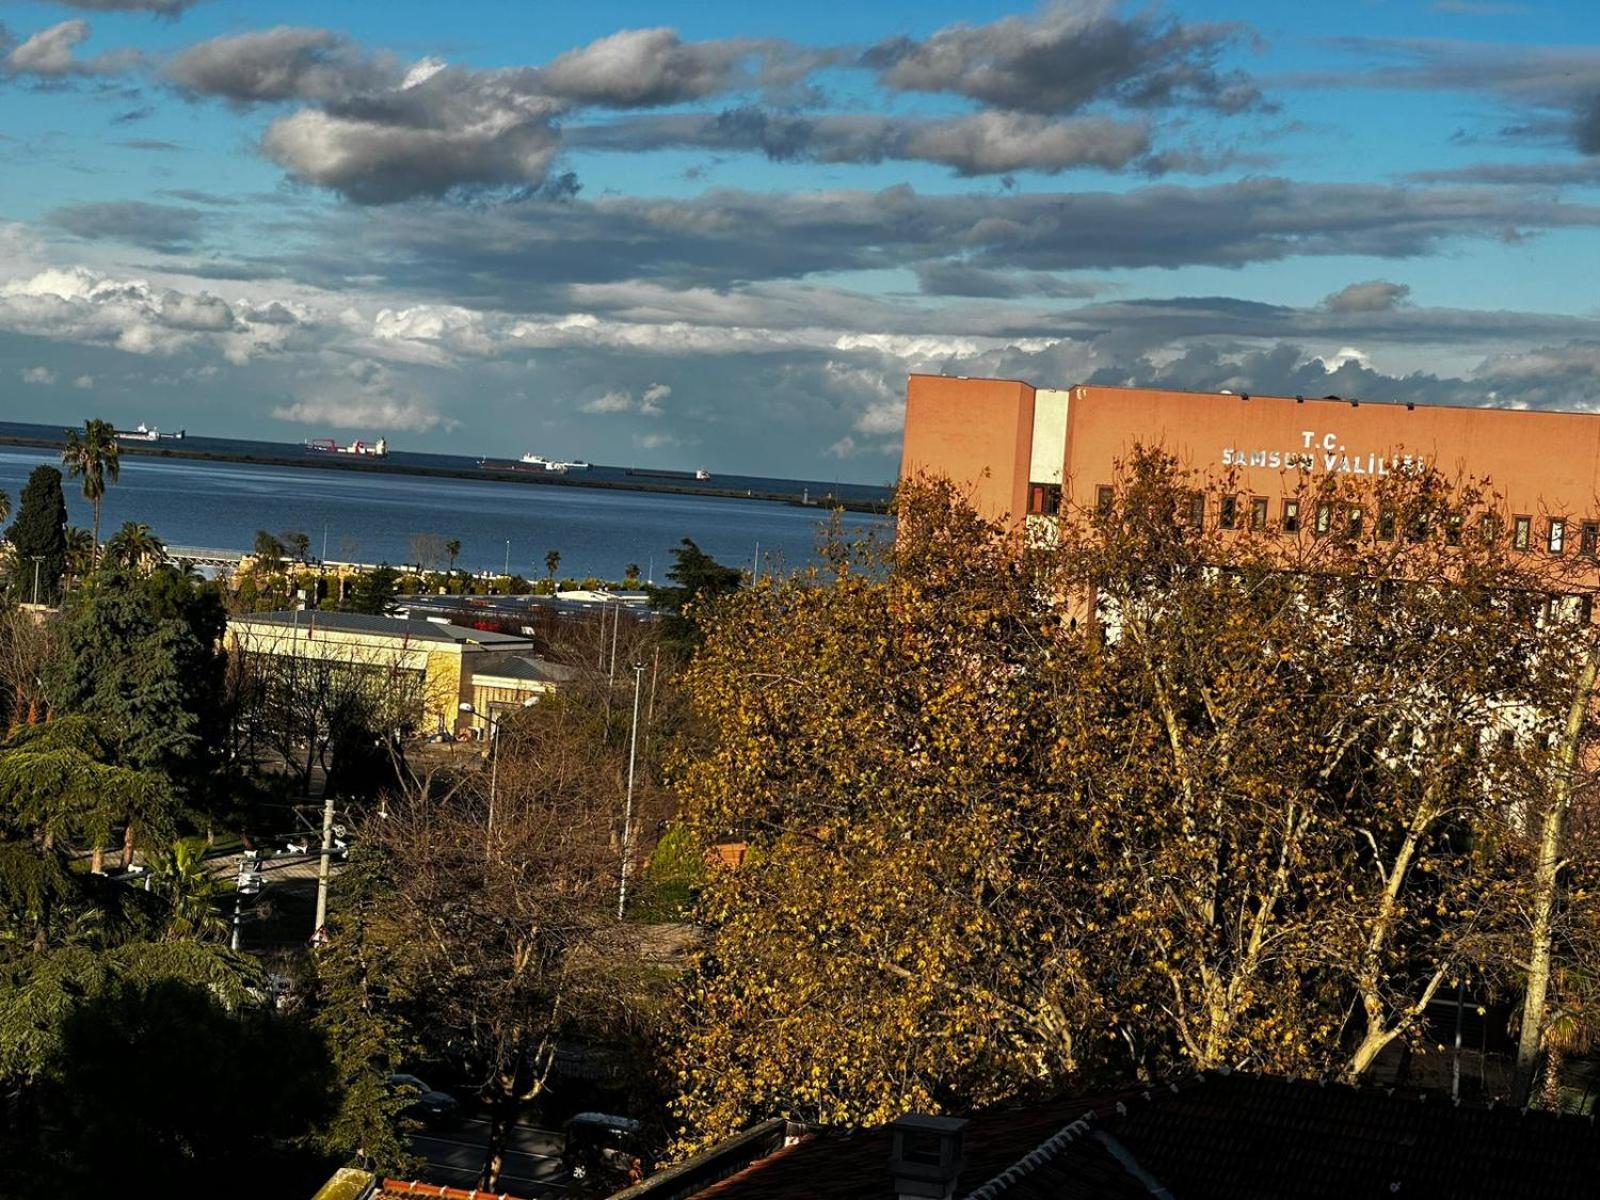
x=1049 y=435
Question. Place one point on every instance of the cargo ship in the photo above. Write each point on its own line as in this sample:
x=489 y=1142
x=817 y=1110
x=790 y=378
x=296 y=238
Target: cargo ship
x=540 y=462
x=148 y=433
x=361 y=449
x=699 y=473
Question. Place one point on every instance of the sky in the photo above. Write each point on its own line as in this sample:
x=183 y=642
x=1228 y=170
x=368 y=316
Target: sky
x=721 y=234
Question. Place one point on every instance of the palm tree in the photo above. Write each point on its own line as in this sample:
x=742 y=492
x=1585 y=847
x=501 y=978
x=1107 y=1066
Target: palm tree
x=181 y=878
x=80 y=553
x=552 y=563
x=452 y=548
x=136 y=547
x=93 y=457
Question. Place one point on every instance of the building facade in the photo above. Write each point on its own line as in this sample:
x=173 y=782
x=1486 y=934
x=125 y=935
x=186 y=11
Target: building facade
x=447 y=664
x=1022 y=450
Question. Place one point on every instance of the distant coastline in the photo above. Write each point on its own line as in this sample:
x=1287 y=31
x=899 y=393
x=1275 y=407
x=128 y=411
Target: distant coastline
x=334 y=462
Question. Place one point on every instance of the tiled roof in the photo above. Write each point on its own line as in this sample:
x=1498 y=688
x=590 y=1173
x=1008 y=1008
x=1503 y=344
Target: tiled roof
x=413 y=629
x=399 y=1188
x=1219 y=1136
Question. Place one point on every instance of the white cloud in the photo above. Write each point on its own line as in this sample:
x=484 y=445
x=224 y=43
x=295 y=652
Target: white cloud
x=43 y=376
x=84 y=382
x=378 y=416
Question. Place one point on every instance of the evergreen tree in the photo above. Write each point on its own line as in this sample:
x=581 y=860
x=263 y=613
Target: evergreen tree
x=373 y=592
x=140 y=655
x=40 y=532
x=699 y=579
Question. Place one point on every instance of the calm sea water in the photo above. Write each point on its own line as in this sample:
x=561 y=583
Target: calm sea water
x=368 y=517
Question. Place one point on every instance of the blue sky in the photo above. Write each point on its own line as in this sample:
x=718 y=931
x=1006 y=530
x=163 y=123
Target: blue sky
x=722 y=234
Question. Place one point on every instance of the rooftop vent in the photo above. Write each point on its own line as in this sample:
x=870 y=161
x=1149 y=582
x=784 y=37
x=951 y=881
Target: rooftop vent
x=927 y=1156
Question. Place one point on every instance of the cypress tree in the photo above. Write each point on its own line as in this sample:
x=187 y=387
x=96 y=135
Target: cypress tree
x=40 y=531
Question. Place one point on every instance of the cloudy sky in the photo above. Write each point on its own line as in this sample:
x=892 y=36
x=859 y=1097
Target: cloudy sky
x=720 y=233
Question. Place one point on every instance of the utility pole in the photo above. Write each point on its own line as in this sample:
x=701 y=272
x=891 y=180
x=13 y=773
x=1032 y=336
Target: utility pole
x=508 y=566
x=324 y=541
x=627 y=811
x=755 y=568
x=37 y=559
x=324 y=865
x=616 y=622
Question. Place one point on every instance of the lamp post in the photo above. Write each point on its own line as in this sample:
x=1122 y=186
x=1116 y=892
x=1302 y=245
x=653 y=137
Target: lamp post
x=627 y=811
x=37 y=559
x=494 y=766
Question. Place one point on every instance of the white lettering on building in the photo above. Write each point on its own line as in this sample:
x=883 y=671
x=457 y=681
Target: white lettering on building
x=1324 y=453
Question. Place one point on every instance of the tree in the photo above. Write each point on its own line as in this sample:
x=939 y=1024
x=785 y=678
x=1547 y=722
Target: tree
x=39 y=536
x=221 y=1091
x=27 y=647
x=136 y=548
x=427 y=550
x=519 y=939
x=80 y=555
x=296 y=544
x=5 y=506
x=94 y=457
x=631 y=575
x=373 y=592
x=699 y=581
x=269 y=551
x=453 y=549
x=140 y=655
x=1039 y=813
x=552 y=564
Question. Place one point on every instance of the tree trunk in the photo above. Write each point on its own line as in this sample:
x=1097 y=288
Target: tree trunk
x=95 y=559
x=502 y=1116
x=1545 y=879
x=97 y=860
x=127 y=845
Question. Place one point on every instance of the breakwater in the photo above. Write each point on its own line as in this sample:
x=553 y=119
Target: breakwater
x=337 y=462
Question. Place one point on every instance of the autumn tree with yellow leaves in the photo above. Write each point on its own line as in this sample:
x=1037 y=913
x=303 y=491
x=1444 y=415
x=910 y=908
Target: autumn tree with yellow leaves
x=1128 y=793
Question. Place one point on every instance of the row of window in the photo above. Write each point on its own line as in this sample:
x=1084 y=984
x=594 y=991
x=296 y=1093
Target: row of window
x=1044 y=499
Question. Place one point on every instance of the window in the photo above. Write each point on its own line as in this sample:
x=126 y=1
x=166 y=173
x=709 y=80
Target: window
x=1105 y=499
x=1589 y=539
x=1229 y=518
x=1521 y=532
x=1258 y=512
x=1489 y=528
x=1354 y=526
x=1291 y=516
x=1586 y=608
x=1386 y=525
x=1417 y=528
x=1044 y=499
x=1324 y=517
x=1197 y=510
x=1556 y=538
x=1452 y=530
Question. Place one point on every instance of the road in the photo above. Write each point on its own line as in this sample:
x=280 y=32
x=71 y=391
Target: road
x=533 y=1160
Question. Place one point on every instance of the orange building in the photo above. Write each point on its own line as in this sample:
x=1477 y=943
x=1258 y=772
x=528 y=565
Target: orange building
x=1024 y=450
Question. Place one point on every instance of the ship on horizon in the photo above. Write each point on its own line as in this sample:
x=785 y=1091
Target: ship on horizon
x=358 y=448
x=149 y=433
x=553 y=464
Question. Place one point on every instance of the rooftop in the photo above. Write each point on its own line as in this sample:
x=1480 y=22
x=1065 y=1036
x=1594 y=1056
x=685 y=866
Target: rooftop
x=527 y=667
x=1218 y=1136
x=408 y=628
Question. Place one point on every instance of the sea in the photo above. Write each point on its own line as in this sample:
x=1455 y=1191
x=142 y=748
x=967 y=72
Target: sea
x=372 y=516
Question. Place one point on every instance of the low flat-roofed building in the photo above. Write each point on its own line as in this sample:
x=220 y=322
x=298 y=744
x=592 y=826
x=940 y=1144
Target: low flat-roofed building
x=1023 y=451
x=454 y=664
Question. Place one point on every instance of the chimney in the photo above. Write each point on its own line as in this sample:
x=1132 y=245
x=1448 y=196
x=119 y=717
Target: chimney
x=927 y=1156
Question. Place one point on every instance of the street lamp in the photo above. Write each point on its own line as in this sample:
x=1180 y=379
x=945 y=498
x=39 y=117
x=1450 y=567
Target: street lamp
x=494 y=765
x=37 y=559
x=627 y=812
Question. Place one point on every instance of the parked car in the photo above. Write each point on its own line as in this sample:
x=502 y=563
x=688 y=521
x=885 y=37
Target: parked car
x=601 y=1147
x=436 y=1110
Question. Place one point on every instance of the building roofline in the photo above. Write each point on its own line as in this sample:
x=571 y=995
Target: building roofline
x=694 y=1176
x=1344 y=401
